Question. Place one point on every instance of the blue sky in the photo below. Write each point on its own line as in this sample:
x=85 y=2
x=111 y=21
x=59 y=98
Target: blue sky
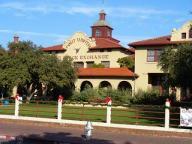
x=50 y=22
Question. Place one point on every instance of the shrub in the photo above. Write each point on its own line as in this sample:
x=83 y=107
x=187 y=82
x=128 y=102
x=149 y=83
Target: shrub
x=119 y=97
x=152 y=96
x=98 y=95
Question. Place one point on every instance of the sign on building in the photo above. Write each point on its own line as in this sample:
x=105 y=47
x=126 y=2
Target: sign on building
x=185 y=117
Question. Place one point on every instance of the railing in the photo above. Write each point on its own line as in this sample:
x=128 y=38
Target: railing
x=174 y=117
x=137 y=115
x=84 y=113
x=140 y=115
x=44 y=109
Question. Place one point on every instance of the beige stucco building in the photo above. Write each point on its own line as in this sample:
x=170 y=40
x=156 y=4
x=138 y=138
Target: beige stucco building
x=100 y=48
x=147 y=54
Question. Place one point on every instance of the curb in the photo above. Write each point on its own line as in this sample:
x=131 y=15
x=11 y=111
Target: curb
x=7 y=137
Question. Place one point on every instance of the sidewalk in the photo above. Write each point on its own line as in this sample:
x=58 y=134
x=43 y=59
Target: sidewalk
x=80 y=128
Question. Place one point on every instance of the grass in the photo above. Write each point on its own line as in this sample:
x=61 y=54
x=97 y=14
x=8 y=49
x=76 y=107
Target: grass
x=130 y=115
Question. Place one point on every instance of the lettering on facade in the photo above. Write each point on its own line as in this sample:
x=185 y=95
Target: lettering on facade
x=90 y=57
x=87 y=42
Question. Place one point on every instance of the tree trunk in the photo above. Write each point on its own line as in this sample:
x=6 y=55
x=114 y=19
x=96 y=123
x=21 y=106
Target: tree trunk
x=44 y=90
x=30 y=93
x=14 y=91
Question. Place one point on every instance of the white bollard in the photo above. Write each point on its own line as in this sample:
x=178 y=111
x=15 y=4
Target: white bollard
x=59 y=109
x=109 y=102
x=167 y=113
x=88 y=130
x=17 y=106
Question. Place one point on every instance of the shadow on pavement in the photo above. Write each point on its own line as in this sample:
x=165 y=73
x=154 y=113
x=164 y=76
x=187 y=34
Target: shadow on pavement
x=56 y=138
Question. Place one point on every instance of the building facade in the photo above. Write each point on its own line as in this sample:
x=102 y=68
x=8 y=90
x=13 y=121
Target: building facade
x=147 y=55
x=100 y=48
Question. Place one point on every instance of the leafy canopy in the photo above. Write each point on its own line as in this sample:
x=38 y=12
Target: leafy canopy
x=26 y=66
x=126 y=62
x=177 y=61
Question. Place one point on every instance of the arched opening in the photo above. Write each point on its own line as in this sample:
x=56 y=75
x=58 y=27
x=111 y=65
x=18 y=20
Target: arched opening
x=124 y=85
x=105 y=84
x=86 y=85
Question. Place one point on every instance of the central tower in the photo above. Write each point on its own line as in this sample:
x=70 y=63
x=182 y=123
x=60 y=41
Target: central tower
x=101 y=29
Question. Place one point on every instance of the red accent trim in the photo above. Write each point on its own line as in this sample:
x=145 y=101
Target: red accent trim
x=60 y=98
x=108 y=99
x=54 y=48
x=17 y=97
x=105 y=72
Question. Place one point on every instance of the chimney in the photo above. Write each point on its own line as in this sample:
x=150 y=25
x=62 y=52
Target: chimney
x=102 y=15
x=16 y=39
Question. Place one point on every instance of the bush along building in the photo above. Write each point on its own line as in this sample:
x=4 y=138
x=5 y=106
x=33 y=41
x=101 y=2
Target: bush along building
x=147 y=54
x=100 y=49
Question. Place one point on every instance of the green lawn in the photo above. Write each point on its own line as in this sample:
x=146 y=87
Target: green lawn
x=130 y=115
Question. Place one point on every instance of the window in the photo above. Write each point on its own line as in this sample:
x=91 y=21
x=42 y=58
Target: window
x=90 y=64
x=153 y=55
x=150 y=55
x=78 y=64
x=183 y=35
x=108 y=33
x=190 y=33
x=98 y=33
x=106 y=63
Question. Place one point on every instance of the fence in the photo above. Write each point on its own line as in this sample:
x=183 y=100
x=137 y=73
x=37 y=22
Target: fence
x=162 y=116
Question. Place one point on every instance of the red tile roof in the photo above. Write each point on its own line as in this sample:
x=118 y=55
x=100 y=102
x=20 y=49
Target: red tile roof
x=105 y=72
x=131 y=49
x=105 y=43
x=101 y=43
x=54 y=48
x=164 y=40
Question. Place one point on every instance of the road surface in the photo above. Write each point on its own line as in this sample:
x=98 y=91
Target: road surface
x=39 y=133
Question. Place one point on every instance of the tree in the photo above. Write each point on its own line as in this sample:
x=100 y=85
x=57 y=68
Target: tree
x=177 y=61
x=127 y=62
x=99 y=65
x=29 y=71
x=2 y=51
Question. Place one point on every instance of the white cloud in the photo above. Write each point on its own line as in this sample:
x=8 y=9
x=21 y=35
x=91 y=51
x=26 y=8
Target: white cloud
x=83 y=10
x=22 y=7
x=33 y=33
x=143 y=13
x=86 y=10
x=5 y=31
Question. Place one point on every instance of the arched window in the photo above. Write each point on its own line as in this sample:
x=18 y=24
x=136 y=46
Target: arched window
x=105 y=85
x=190 y=32
x=124 y=85
x=86 y=85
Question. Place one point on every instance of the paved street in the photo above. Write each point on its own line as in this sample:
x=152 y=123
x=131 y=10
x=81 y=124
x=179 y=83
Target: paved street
x=67 y=134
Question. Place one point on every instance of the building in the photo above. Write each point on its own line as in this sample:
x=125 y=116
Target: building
x=147 y=54
x=100 y=48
